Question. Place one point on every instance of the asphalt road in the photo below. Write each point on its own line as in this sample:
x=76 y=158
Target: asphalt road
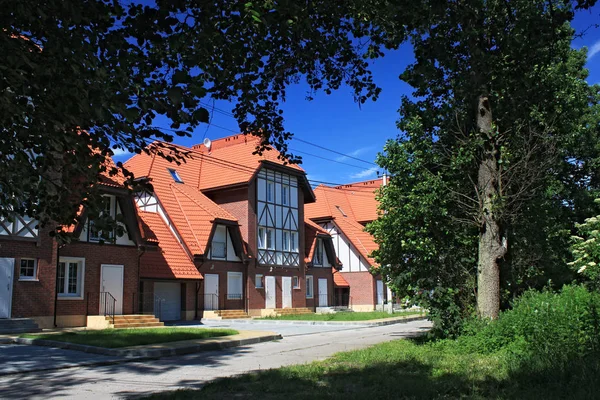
x=130 y=380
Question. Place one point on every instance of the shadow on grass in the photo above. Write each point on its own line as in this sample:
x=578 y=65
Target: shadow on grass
x=417 y=376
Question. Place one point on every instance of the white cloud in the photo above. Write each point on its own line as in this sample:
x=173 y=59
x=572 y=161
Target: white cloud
x=594 y=49
x=354 y=153
x=364 y=174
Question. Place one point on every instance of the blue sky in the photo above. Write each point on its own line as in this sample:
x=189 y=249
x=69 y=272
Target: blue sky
x=338 y=123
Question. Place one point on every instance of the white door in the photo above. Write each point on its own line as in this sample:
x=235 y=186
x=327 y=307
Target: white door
x=211 y=292
x=111 y=281
x=286 y=284
x=323 y=298
x=270 y=297
x=167 y=305
x=380 y=292
x=7 y=267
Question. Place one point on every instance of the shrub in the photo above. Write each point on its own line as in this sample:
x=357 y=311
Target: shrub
x=543 y=328
x=586 y=250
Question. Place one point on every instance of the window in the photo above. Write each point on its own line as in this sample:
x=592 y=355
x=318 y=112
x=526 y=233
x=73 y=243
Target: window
x=175 y=175
x=270 y=191
x=318 y=260
x=270 y=239
x=262 y=238
x=234 y=286
x=218 y=248
x=258 y=281
x=293 y=241
x=309 y=286
x=296 y=282
x=28 y=271
x=285 y=195
x=107 y=209
x=70 y=277
x=286 y=241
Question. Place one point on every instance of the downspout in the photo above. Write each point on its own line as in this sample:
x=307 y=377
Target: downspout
x=141 y=252
x=58 y=246
x=198 y=286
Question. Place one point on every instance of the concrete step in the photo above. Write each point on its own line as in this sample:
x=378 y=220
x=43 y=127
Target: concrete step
x=138 y=325
x=18 y=325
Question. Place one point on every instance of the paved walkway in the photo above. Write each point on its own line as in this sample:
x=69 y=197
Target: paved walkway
x=133 y=379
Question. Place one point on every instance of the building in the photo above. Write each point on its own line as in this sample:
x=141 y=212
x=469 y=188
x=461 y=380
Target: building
x=236 y=233
x=343 y=212
x=63 y=285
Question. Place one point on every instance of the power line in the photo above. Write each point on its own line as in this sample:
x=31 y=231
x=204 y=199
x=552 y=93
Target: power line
x=228 y=114
x=327 y=159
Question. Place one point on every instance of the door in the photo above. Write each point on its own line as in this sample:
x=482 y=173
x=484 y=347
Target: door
x=111 y=281
x=323 y=298
x=167 y=305
x=270 y=297
x=211 y=292
x=379 y=292
x=7 y=267
x=286 y=284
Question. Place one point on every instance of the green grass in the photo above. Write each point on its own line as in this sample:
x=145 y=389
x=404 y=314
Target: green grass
x=342 y=316
x=115 y=338
x=405 y=369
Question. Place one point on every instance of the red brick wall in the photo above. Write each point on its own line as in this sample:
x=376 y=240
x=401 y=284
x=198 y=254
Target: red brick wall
x=95 y=255
x=32 y=298
x=362 y=287
x=221 y=268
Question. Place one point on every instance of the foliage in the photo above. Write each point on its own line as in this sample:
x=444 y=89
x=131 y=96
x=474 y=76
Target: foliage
x=543 y=141
x=112 y=67
x=586 y=250
x=546 y=347
x=115 y=338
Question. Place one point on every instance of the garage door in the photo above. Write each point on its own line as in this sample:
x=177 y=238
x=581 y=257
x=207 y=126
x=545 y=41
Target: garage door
x=169 y=296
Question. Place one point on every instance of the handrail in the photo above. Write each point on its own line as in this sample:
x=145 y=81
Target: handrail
x=109 y=303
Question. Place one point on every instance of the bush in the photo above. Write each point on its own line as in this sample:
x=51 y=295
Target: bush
x=543 y=328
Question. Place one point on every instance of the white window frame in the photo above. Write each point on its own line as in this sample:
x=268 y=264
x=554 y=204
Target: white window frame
x=270 y=246
x=296 y=282
x=310 y=285
x=259 y=282
x=80 y=278
x=270 y=191
x=112 y=212
x=35 y=269
x=262 y=237
x=294 y=241
x=319 y=249
x=234 y=296
x=285 y=246
x=212 y=256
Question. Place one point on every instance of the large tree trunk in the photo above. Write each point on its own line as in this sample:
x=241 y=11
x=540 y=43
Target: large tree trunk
x=491 y=246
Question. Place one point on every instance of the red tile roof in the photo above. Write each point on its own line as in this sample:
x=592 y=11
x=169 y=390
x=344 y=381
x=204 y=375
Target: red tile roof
x=349 y=206
x=338 y=279
x=170 y=260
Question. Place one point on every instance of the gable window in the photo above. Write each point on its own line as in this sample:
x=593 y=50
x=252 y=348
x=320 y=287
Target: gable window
x=70 y=277
x=309 y=286
x=258 y=281
x=108 y=209
x=285 y=195
x=28 y=270
x=296 y=282
x=175 y=175
x=318 y=260
x=218 y=248
x=262 y=238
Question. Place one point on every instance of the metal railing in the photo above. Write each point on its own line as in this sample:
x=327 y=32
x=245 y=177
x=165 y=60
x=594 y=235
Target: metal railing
x=234 y=296
x=148 y=303
x=108 y=305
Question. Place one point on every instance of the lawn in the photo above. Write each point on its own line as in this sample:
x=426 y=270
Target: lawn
x=343 y=316
x=115 y=338
x=404 y=369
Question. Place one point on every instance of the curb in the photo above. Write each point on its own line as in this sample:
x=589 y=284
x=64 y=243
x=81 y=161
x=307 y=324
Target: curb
x=129 y=355
x=390 y=321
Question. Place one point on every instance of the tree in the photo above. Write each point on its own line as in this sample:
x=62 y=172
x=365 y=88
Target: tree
x=109 y=68
x=490 y=153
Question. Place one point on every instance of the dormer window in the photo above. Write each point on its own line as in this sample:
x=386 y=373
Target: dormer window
x=318 y=259
x=175 y=176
